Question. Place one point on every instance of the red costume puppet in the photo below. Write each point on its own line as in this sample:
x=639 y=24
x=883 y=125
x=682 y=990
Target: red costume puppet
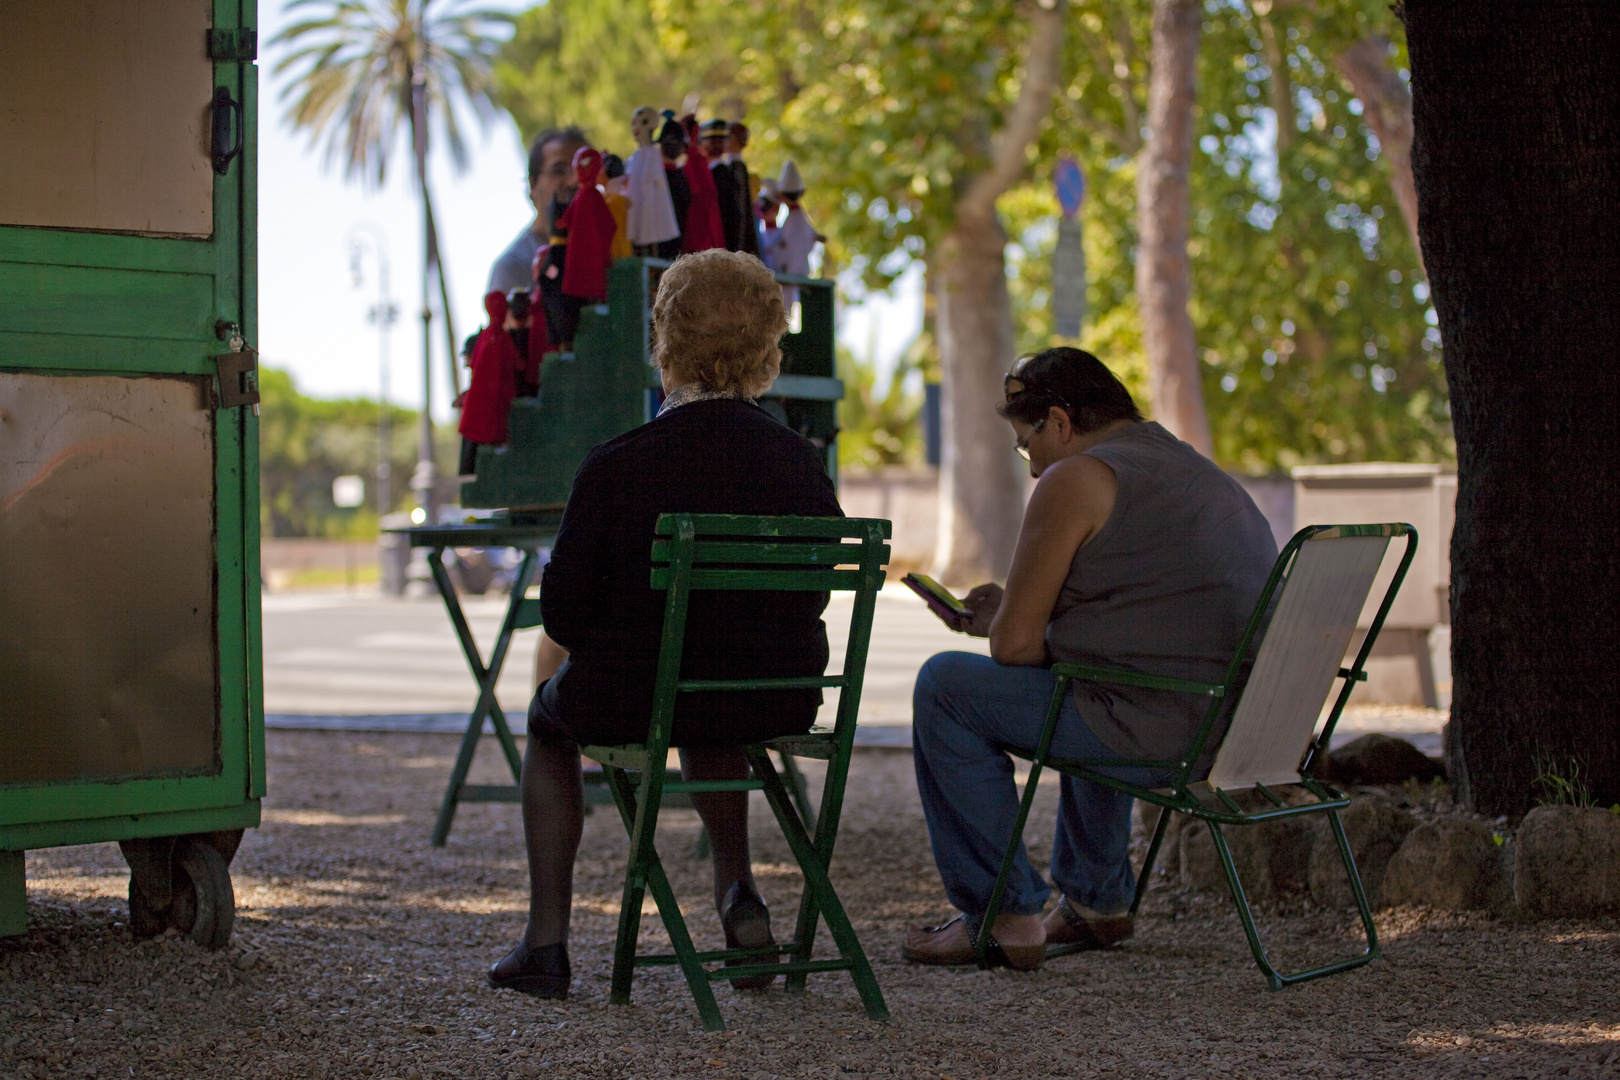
x=702 y=229
x=501 y=371
x=590 y=226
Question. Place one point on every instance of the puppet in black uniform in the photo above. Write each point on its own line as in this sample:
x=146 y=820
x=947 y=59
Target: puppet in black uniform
x=672 y=145
x=550 y=264
x=730 y=187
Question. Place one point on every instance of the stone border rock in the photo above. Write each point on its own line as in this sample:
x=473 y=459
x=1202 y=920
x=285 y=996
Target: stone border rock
x=1568 y=863
x=1561 y=861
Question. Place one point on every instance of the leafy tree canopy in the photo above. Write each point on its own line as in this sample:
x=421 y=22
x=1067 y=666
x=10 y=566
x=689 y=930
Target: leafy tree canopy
x=305 y=442
x=1308 y=299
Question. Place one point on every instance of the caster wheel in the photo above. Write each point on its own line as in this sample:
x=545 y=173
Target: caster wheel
x=204 y=904
x=184 y=883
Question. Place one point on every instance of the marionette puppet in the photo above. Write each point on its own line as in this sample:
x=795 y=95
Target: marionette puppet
x=715 y=133
x=651 y=219
x=590 y=227
x=505 y=363
x=747 y=185
x=618 y=204
x=702 y=229
x=767 y=208
x=550 y=268
x=735 y=216
x=672 y=146
x=798 y=237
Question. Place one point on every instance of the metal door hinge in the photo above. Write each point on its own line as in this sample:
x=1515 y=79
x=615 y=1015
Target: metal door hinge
x=241 y=46
x=238 y=369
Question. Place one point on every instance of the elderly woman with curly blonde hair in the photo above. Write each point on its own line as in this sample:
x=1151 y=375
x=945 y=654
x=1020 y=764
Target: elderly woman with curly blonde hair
x=717 y=319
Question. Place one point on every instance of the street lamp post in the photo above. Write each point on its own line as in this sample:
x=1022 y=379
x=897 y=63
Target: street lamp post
x=425 y=477
x=383 y=314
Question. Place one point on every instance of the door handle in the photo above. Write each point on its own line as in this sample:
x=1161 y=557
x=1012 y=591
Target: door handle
x=225 y=109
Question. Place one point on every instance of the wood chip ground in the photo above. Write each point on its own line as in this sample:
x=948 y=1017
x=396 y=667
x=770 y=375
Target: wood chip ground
x=360 y=952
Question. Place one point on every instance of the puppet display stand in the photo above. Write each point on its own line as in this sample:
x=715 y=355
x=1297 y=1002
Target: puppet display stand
x=131 y=705
x=606 y=386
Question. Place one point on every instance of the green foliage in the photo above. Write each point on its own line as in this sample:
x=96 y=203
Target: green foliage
x=354 y=62
x=879 y=429
x=1308 y=300
x=305 y=442
x=1562 y=784
x=585 y=62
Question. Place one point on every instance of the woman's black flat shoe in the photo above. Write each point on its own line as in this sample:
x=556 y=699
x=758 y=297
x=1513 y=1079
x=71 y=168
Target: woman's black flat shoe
x=542 y=972
x=747 y=923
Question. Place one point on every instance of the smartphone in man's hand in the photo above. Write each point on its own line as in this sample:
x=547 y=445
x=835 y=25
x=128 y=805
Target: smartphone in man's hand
x=938 y=598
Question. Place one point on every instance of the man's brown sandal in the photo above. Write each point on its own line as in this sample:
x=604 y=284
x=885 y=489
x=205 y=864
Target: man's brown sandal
x=1090 y=930
x=1017 y=957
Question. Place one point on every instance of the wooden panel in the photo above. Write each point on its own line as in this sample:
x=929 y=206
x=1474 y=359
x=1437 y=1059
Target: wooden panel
x=107 y=571
x=108 y=250
x=43 y=299
x=104 y=115
x=81 y=353
x=1379 y=492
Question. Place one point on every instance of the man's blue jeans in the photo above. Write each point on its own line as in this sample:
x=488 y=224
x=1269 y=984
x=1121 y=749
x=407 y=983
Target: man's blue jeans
x=965 y=709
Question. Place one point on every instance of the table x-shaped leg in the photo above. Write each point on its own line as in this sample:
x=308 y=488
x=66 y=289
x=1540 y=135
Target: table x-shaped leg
x=459 y=790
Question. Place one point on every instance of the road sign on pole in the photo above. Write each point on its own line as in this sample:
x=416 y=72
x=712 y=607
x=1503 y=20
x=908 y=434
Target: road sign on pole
x=1069 y=258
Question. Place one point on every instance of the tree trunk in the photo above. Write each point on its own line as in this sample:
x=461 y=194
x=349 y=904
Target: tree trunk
x=1387 y=108
x=981 y=486
x=436 y=260
x=1163 y=272
x=1282 y=86
x=1517 y=159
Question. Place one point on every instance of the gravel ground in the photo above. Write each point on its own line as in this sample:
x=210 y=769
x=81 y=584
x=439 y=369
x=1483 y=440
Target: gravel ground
x=360 y=953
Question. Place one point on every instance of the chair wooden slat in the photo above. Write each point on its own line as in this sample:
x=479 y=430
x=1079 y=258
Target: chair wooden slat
x=785 y=553
x=765 y=580
x=718 y=526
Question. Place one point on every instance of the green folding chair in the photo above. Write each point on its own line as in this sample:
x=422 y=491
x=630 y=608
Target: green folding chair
x=727 y=552
x=1320 y=584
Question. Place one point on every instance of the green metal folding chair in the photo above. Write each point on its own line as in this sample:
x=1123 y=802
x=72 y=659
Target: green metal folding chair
x=727 y=552
x=1320 y=584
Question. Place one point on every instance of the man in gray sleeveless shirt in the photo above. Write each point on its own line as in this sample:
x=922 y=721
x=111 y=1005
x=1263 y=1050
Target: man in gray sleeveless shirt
x=1135 y=552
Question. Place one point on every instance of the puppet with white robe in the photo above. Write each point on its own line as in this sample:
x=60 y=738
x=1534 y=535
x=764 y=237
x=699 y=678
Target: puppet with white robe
x=797 y=238
x=650 y=220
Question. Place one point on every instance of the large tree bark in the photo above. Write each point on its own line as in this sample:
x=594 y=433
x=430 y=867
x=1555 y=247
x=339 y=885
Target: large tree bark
x=1163 y=272
x=1517 y=160
x=1387 y=108
x=1272 y=38
x=981 y=487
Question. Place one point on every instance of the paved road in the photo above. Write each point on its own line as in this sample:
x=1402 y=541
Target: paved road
x=350 y=654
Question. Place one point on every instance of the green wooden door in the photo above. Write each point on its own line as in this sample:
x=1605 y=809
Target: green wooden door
x=129 y=593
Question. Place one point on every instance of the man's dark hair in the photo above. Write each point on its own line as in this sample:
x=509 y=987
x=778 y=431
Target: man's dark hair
x=568 y=133
x=1072 y=379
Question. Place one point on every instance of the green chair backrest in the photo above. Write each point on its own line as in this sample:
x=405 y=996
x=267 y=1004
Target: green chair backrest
x=695 y=552
x=1320 y=584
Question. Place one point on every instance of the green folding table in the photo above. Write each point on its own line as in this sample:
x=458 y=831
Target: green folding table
x=527 y=535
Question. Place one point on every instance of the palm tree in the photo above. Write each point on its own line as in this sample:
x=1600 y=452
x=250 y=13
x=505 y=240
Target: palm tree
x=365 y=69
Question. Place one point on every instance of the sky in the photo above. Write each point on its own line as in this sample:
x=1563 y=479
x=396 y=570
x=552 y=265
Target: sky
x=313 y=316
